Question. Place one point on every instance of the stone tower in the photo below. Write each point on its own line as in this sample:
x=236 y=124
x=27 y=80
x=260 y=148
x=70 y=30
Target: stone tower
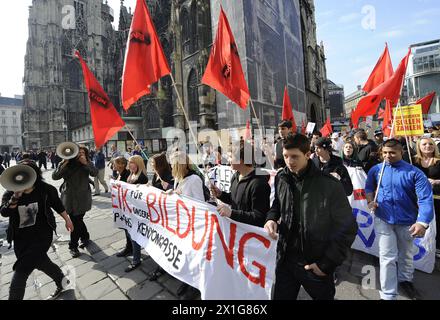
x=55 y=98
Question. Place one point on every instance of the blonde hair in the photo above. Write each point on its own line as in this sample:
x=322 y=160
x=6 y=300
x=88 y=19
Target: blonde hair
x=139 y=162
x=419 y=156
x=180 y=165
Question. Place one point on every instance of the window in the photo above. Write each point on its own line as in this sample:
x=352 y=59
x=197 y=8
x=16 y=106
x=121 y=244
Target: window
x=3 y=121
x=3 y=112
x=14 y=113
x=14 y=121
x=193 y=96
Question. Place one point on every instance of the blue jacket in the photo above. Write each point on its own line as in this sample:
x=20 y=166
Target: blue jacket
x=405 y=194
x=99 y=160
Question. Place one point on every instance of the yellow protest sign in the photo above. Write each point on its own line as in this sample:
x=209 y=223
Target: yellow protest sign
x=412 y=124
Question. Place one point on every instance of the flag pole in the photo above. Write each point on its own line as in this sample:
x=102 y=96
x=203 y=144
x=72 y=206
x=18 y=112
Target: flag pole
x=179 y=98
x=406 y=136
x=259 y=127
x=137 y=143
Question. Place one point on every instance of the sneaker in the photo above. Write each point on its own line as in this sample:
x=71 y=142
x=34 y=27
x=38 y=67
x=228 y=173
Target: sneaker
x=106 y=191
x=132 y=267
x=124 y=253
x=84 y=244
x=156 y=274
x=56 y=294
x=75 y=253
x=409 y=290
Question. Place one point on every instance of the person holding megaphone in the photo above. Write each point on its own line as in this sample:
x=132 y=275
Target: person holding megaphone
x=28 y=202
x=76 y=193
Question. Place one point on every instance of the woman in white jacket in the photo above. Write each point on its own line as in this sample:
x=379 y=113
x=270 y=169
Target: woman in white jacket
x=186 y=181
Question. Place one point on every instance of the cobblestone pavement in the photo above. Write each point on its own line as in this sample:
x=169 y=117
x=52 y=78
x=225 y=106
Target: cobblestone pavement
x=99 y=274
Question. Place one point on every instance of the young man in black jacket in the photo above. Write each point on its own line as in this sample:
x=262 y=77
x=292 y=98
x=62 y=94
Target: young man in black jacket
x=250 y=191
x=316 y=226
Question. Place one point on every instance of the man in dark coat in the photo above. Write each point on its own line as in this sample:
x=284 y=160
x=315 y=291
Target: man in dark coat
x=316 y=225
x=250 y=192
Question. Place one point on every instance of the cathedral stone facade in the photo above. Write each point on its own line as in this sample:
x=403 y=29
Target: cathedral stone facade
x=277 y=46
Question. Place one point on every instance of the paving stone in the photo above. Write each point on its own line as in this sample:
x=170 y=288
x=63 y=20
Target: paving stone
x=99 y=289
x=144 y=291
x=172 y=284
x=110 y=262
x=90 y=278
x=131 y=279
x=164 y=295
x=114 y=295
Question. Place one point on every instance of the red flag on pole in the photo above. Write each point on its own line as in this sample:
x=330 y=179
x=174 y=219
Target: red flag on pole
x=381 y=72
x=145 y=62
x=327 y=128
x=247 y=133
x=224 y=72
x=288 y=111
x=106 y=121
x=426 y=102
x=389 y=90
x=387 y=119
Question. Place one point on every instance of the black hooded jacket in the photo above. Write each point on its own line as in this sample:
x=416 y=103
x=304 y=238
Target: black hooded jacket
x=316 y=220
x=336 y=165
x=249 y=198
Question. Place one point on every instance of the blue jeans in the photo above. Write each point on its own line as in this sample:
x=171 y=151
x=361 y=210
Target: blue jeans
x=395 y=245
x=136 y=250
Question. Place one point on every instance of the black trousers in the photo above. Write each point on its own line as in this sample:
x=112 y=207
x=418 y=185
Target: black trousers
x=19 y=279
x=290 y=276
x=79 y=231
x=42 y=164
x=128 y=244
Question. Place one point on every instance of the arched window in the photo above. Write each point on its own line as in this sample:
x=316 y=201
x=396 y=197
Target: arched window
x=186 y=30
x=193 y=96
x=153 y=119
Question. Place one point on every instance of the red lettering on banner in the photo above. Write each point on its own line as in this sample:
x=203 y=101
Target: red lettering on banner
x=166 y=216
x=229 y=251
x=179 y=204
x=261 y=279
x=198 y=245
x=160 y=209
x=151 y=206
x=359 y=194
x=124 y=200
x=115 y=196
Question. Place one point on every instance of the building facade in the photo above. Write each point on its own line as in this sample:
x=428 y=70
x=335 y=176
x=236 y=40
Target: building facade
x=314 y=66
x=352 y=100
x=423 y=75
x=276 y=42
x=10 y=124
x=336 y=101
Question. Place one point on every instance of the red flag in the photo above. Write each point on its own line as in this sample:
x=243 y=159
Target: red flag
x=389 y=90
x=288 y=111
x=145 y=62
x=247 y=133
x=327 y=128
x=426 y=102
x=303 y=127
x=381 y=72
x=224 y=72
x=106 y=121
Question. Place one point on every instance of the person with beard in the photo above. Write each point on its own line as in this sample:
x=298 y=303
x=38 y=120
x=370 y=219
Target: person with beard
x=77 y=195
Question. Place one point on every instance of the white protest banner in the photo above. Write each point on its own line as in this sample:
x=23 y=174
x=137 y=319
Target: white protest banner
x=221 y=177
x=222 y=258
x=366 y=240
x=310 y=127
